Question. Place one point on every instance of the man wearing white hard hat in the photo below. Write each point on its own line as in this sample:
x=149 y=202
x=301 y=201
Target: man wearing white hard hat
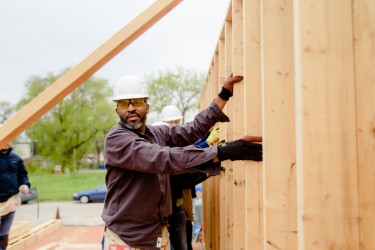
x=171 y=115
x=140 y=158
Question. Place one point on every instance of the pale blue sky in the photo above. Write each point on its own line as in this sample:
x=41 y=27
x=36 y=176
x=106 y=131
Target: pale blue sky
x=42 y=36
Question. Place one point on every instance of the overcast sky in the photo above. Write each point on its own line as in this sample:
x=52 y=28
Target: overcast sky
x=44 y=36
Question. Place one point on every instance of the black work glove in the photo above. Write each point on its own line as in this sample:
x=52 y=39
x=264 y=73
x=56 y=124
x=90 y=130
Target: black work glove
x=240 y=150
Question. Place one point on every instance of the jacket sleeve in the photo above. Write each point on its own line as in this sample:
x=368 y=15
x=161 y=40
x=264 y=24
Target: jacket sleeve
x=191 y=132
x=170 y=152
x=129 y=151
x=23 y=178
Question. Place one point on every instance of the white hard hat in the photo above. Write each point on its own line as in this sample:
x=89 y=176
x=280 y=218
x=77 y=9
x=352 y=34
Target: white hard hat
x=170 y=113
x=160 y=123
x=129 y=87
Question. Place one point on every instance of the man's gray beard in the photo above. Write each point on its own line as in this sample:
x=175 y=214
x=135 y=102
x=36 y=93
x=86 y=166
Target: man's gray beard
x=135 y=126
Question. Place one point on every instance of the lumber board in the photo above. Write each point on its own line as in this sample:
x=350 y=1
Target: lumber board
x=228 y=137
x=210 y=213
x=209 y=184
x=34 y=234
x=81 y=72
x=238 y=122
x=222 y=126
x=327 y=181
x=364 y=69
x=253 y=119
x=19 y=228
x=216 y=179
x=205 y=214
x=279 y=125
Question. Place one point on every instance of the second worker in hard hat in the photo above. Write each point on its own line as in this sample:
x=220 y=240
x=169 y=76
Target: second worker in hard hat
x=181 y=219
x=171 y=115
x=139 y=159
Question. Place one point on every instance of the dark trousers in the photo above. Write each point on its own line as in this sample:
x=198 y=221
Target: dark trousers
x=189 y=234
x=5 y=225
x=177 y=229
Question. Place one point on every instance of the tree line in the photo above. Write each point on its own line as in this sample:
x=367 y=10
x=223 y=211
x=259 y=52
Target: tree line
x=76 y=127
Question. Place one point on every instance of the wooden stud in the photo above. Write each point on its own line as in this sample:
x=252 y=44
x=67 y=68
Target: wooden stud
x=228 y=137
x=364 y=70
x=223 y=181
x=327 y=181
x=280 y=224
x=253 y=118
x=216 y=178
x=238 y=121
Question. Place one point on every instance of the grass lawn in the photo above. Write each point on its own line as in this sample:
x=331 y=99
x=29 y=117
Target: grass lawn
x=60 y=187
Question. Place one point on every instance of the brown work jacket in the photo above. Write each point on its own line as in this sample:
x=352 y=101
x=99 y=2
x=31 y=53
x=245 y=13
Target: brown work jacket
x=138 y=200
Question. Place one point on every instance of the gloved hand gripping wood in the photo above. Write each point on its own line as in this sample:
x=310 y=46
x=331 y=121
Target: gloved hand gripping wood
x=243 y=149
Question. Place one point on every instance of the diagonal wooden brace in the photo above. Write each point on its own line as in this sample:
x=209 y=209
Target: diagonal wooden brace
x=81 y=72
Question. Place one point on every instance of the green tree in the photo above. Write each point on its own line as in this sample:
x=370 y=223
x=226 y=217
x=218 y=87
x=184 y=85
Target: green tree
x=75 y=127
x=6 y=111
x=180 y=87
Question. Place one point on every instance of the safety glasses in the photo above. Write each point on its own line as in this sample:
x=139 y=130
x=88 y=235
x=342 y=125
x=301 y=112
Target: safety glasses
x=124 y=104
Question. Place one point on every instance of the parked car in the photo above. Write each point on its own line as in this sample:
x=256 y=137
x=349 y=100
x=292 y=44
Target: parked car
x=33 y=195
x=96 y=194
